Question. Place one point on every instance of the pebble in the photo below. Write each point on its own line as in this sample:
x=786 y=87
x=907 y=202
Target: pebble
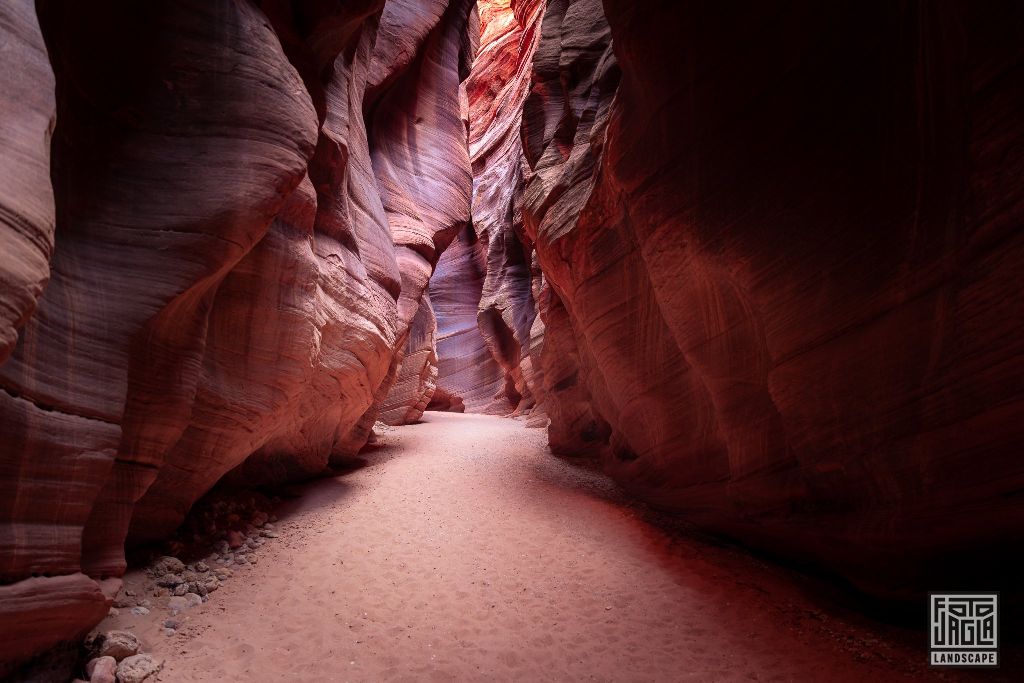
x=101 y=670
x=172 y=623
x=180 y=589
x=167 y=565
x=113 y=612
x=202 y=567
x=268 y=534
x=140 y=611
x=169 y=580
x=117 y=644
x=193 y=599
x=137 y=668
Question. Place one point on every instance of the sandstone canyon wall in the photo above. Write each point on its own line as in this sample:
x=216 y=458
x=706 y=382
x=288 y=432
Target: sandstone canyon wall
x=249 y=199
x=482 y=287
x=764 y=262
x=775 y=258
x=784 y=254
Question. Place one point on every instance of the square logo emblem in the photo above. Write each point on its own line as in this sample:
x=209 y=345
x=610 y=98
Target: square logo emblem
x=963 y=629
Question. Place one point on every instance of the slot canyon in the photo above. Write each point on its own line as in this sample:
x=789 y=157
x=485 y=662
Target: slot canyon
x=529 y=340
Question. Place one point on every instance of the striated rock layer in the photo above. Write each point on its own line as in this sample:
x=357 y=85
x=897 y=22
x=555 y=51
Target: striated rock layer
x=482 y=289
x=784 y=255
x=27 y=109
x=249 y=198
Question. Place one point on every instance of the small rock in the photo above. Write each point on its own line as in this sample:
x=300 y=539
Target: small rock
x=193 y=599
x=251 y=542
x=145 y=603
x=222 y=547
x=137 y=668
x=253 y=559
x=202 y=567
x=113 y=612
x=169 y=580
x=117 y=644
x=172 y=623
x=101 y=670
x=140 y=611
x=124 y=600
x=169 y=631
x=180 y=589
x=242 y=559
x=235 y=539
x=268 y=534
x=268 y=525
x=167 y=565
x=223 y=574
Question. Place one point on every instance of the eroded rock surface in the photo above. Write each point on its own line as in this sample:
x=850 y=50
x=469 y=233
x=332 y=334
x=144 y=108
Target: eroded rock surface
x=482 y=287
x=245 y=229
x=789 y=276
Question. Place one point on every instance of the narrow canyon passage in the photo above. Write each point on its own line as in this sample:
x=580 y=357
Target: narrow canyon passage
x=754 y=266
x=464 y=551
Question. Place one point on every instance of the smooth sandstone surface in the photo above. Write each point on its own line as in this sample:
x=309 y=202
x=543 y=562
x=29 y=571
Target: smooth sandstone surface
x=245 y=231
x=790 y=274
x=27 y=110
x=482 y=289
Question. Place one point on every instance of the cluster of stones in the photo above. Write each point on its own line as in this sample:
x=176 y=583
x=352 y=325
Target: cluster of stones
x=238 y=546
x=115 y=658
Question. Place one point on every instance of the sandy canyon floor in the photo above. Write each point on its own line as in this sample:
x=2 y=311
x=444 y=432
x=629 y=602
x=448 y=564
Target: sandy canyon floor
x=464 y=551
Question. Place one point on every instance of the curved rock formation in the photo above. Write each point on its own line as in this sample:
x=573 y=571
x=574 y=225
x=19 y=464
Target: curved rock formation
x=416 y=380
x=482 y=288
x=764 y=262
x=239 y=258
x=790 y=274
x=26 y=204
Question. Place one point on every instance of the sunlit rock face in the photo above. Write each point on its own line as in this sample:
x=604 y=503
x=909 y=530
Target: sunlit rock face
x=787 y=248
x=243 y=233
x=482 y=288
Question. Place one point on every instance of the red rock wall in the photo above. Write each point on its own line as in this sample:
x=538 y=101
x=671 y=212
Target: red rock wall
x=244 y=229
x=26 y=204
x=788 y=251
x=416 y=380
x=482 y=287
